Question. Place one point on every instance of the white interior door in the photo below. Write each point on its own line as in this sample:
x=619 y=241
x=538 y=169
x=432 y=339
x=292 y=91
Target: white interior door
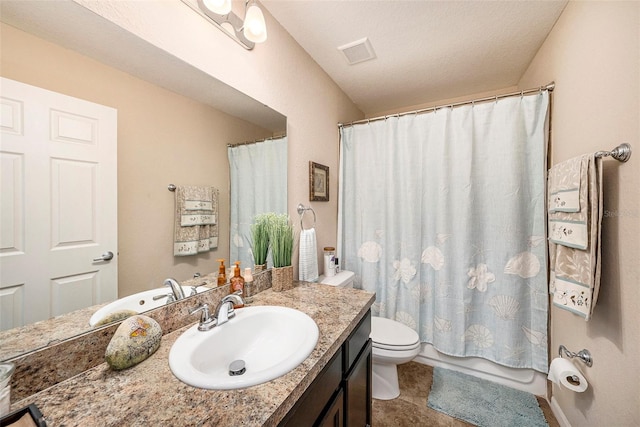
x=58 y=204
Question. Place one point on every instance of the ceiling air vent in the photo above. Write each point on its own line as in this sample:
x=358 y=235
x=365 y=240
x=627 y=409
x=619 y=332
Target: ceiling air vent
x=358 y=51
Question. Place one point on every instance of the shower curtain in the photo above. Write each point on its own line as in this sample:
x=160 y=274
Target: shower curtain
x=258 y=174
x=443 y=216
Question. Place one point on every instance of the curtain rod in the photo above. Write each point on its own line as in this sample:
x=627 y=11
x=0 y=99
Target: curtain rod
x=548 y=87
x=257 y=141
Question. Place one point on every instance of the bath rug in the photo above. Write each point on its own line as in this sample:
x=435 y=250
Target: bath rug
x=481 y=402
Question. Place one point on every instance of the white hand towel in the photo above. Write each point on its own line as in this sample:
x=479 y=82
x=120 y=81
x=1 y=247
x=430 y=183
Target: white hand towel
x=308 y=260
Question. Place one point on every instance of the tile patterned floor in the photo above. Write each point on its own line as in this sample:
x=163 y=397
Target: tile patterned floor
x=411 y=410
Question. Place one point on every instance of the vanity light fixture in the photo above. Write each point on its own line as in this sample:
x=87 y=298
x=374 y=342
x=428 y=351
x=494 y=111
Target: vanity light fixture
x=247 y=32
x=255 y=28
x=220 y=7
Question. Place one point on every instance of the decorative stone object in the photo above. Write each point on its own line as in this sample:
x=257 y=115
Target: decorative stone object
x=115 y=317
x=137 y=338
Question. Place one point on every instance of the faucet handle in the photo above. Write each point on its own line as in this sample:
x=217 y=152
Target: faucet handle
x=194 y=289
x=206 y=320
x=169 y=297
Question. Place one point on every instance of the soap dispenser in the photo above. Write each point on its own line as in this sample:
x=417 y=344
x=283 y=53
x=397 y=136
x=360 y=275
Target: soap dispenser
x=222 y=275
x=237 y=281
x=248 y=286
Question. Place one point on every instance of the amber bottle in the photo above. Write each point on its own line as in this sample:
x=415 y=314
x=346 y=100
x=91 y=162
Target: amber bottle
x=222 y=275
x=237 y=282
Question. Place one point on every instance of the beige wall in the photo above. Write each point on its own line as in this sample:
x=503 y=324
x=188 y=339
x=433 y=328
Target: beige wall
x=278 y=73
x=593 y=55
x=162 y=138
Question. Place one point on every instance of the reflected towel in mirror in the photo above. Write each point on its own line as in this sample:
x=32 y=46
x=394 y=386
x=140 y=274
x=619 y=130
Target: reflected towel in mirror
x=196 y=229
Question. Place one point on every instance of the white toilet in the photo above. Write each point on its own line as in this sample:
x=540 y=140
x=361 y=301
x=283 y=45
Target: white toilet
x=393 y=343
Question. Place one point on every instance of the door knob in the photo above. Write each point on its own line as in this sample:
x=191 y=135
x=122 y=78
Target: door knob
x=107 y=256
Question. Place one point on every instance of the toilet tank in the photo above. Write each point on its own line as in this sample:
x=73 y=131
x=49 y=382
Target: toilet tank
x=344 y=279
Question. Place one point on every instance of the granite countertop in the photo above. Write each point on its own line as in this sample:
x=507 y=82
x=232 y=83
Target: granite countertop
x=149 y=394
x=25 y=339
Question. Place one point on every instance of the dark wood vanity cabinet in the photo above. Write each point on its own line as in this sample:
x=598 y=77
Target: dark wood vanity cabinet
x=341 y=395
x=357 y=390
x=334 y=415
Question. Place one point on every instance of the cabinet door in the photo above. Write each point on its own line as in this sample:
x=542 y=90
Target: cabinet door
x=334 y=417
x=308 y=410
x=358 y=390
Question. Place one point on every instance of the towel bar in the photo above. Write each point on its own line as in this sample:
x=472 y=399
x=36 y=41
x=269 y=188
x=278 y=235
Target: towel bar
x=171 y=187
x=301 y=210
x=622 y=152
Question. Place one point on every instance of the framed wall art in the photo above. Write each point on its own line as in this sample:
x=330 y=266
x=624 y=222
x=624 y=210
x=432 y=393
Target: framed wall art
x=318 y=182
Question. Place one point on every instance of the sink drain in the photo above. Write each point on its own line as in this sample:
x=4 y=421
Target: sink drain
x=237 y=368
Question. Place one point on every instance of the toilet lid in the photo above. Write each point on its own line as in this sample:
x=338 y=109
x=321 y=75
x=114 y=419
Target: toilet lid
x=390 y=334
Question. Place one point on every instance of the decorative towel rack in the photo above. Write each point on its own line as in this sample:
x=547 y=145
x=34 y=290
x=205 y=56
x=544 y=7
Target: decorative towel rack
x=301 y=210
x=171 y=187
x=622 y=152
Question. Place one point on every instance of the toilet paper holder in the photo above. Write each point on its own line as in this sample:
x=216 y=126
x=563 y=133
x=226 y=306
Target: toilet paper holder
x=584 y=355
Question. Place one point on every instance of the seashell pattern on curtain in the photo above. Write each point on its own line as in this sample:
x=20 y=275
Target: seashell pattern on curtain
x=442 y=215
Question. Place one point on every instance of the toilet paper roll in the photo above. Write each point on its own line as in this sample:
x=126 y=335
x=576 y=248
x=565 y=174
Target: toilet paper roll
x=566 y=374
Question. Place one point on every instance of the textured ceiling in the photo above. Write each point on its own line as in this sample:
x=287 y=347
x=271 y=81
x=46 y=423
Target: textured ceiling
x=425 y=50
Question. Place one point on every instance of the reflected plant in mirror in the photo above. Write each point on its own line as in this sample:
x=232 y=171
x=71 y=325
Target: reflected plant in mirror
x=260 y=241
x=258 y=185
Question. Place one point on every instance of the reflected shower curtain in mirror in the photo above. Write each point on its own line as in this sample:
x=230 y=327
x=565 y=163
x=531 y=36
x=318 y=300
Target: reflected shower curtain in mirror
x=442 y=214
x=258 y=184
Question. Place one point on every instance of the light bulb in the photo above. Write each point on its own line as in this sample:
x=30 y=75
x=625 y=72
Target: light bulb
x=255 y=28
x=228 y=28
x=221 y=7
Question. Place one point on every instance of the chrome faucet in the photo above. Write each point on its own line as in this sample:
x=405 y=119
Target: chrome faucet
x=224 y=310
x=206 y=320
x=178 y=293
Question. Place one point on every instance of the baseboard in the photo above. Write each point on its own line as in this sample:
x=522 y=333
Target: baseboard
x=557 y=412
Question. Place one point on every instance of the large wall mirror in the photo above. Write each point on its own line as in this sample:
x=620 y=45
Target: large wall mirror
x=173 y=126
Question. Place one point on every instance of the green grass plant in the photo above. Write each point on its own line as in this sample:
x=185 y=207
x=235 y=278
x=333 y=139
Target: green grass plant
x=260 y=238
x=281 y=237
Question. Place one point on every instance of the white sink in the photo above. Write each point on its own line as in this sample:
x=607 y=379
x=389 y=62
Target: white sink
x=140 y=302
x=270 y=340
